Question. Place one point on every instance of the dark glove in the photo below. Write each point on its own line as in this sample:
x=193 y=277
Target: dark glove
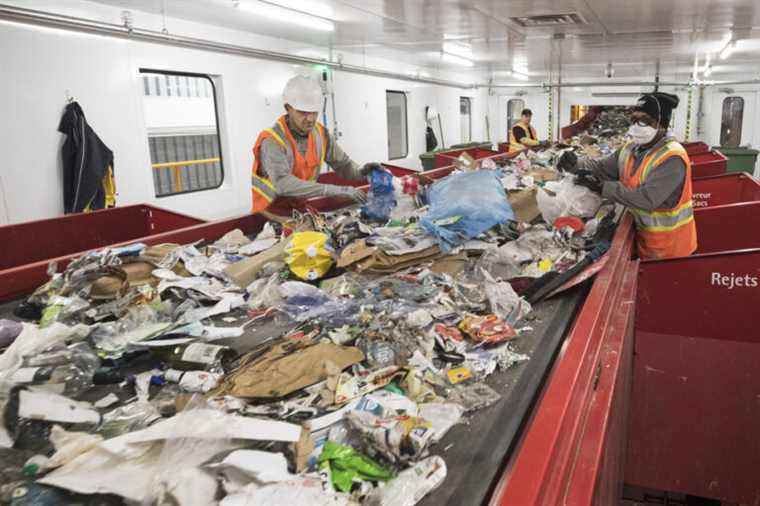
x=367 y=169
x=568 y=162
x=589 y=181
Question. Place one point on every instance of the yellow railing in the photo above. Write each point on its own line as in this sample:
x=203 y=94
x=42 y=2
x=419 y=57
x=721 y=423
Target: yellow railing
x=176 y=175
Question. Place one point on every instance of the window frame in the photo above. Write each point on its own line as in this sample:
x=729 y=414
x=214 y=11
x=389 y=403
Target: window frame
x=740 y=100
x=469 y=116
x=510 y=124
x=406 y=123
x=217 y=129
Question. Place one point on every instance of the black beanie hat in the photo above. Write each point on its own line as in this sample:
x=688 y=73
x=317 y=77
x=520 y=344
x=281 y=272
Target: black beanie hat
x=658 y=105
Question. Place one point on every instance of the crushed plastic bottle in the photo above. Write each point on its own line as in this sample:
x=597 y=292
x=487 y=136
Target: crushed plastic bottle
x=69 y=370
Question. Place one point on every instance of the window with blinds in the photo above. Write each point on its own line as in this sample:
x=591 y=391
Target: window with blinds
x=183 y=134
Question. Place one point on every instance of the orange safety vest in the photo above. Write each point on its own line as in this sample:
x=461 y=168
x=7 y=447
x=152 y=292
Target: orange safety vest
x=664 y=232
x=306 y=168
x=514 y=144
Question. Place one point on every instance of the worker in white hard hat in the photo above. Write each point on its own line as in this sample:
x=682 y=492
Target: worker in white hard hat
x=289 y=156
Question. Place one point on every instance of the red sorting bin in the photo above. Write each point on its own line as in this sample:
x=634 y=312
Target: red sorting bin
x=695 y=148
x=725 y=189
x=29 y=247
x=694 y=399
x=712 y=163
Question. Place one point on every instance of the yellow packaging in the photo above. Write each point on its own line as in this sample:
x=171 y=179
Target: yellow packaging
x=309 y=255
x=459 y=374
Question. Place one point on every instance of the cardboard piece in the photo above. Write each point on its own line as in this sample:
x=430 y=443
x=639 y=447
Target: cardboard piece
x=281 y=371
x=524 y=205
x=354 y=252
x=244 y=272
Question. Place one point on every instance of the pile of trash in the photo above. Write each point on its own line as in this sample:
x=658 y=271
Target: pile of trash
x=605 y=135
x=318 y=362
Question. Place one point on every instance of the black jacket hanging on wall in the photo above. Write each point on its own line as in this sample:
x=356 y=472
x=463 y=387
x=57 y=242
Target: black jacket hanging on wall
x=87 y=164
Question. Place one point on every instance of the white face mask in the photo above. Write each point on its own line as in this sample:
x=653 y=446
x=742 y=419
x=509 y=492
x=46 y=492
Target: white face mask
x=642 y=134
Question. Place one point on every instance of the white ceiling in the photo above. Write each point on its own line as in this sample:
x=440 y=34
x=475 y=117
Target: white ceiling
x=633 y=35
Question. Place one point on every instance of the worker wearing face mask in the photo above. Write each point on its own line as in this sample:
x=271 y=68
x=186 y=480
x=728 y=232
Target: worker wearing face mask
x=288 y=157
x=522 y=135
x=651 y=175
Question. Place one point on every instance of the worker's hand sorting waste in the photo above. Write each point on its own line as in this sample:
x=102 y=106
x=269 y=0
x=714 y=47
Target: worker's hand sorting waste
x=355 y=194
x=568 y=162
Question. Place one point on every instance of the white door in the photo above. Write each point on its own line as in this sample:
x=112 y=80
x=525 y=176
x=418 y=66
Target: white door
x=465 y=119
x=734 y=120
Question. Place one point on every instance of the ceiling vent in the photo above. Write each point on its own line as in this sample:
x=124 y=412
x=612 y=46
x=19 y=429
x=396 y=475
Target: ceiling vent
x=544 y=20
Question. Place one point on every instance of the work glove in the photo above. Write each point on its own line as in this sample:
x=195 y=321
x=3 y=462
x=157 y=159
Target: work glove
x=367 y=168
x=355 y=194
x=568 y=162
x=588 y=180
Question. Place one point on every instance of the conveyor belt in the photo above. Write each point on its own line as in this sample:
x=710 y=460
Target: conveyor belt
x=478 y=450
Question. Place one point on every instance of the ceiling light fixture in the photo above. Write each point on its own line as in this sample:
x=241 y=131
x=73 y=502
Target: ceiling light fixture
x=456 y=60
x=457 y=49
x=284 y=14
x=707 y=72
x=520 y=75
x=727 y=50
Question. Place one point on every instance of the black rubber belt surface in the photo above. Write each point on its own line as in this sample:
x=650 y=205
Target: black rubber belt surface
x=480 y=448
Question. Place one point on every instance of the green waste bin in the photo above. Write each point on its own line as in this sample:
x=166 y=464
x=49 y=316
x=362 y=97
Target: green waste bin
x=468 y=145
x=428 y=159
x=739 y=159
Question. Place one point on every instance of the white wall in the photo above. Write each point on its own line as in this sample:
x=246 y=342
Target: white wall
x=40 y=65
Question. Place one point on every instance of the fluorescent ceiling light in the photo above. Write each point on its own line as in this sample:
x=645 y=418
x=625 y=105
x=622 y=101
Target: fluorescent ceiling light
x=287 y=15
x=457 y=49
x=457 y=60
x=707 y=72
x=520 y=75
x=726 y=51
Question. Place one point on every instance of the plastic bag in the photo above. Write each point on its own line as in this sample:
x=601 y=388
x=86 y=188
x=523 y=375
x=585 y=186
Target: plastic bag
x=505 y=303
x=9 y=330
x=347 y=465
x=404 y=189
x=309 y=255
x=566 y=198
x=465 y=205
x=381 y=199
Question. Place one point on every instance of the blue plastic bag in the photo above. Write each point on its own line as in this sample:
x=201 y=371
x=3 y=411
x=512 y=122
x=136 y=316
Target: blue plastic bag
x=465 y=205
x=381 y=199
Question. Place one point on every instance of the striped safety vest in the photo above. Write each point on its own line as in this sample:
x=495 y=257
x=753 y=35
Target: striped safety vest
x=514 y=144
x=664 y=232
x=305 y=167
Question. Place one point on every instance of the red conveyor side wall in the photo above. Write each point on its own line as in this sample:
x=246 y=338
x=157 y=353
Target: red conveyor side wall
x=572 y=450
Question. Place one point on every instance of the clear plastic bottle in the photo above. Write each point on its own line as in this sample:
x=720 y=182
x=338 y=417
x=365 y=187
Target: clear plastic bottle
x=68 y=370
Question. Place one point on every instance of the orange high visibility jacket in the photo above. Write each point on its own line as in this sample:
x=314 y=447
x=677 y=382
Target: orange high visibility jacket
x=662 y=233
x=515 y=144
x=305 y=168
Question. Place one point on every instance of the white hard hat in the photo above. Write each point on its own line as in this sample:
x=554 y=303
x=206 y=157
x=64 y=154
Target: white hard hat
x=303 y=94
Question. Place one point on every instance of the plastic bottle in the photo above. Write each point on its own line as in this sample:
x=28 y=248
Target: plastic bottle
x=68 y=370
x=193 y=381
x=196 y=356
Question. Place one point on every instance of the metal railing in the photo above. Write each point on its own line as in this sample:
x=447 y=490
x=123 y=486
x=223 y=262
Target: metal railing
x=177 y=169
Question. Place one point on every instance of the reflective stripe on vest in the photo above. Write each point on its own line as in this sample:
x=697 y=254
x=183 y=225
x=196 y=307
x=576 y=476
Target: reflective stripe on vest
x=263 y=187
x=664 y=221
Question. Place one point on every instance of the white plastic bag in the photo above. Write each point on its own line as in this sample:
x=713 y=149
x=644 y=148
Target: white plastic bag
x=566 y=199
